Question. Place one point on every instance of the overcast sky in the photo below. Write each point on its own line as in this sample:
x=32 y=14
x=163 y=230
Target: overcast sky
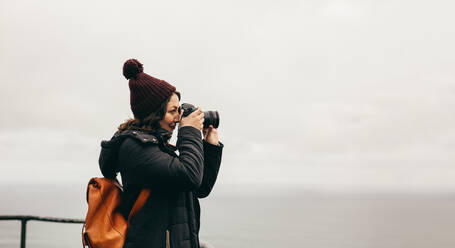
x=314 y=94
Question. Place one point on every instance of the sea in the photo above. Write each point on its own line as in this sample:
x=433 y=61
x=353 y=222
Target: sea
x=258 y=216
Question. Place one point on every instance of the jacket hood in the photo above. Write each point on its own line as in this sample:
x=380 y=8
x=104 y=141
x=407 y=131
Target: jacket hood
x=110 y=148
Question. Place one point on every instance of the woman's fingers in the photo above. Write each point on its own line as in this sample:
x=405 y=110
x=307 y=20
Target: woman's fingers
x=212 y=135
x=195 y=119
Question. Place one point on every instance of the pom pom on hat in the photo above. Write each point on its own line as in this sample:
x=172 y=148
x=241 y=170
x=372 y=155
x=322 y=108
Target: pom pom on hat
x=131 y=68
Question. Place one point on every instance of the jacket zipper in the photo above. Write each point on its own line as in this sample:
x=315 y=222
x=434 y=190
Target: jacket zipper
x=168 y=239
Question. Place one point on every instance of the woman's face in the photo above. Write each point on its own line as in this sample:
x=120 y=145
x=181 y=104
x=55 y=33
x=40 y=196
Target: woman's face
x=171 y=117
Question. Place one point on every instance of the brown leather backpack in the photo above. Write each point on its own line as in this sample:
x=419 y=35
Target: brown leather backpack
x=105 y=226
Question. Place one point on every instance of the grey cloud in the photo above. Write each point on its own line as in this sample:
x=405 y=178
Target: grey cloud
x=324 y=93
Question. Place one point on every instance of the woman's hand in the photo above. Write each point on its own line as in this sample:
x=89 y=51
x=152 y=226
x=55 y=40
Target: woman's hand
x=195 y=119
x=211 y=135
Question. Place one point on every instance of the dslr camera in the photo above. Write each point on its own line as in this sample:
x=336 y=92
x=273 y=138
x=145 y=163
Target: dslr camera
x=210 y=117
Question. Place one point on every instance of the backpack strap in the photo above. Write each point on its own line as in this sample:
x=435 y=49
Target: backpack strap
x=141 y=199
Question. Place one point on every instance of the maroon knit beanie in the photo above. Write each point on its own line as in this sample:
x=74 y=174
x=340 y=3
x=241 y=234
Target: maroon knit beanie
x=146 y=92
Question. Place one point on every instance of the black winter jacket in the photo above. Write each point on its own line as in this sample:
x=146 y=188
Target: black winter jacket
x=145 y=160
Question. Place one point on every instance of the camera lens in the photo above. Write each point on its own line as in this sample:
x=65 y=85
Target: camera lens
x=211 y=118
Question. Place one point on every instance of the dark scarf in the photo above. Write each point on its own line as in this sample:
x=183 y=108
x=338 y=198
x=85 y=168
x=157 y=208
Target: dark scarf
x=164 y=136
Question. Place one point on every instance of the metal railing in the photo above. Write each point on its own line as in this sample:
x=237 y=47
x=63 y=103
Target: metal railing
x=24 y=218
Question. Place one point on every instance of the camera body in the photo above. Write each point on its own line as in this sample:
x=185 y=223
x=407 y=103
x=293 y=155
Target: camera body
x=210 y=117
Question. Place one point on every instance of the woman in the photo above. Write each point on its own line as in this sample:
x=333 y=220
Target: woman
x=141 y=153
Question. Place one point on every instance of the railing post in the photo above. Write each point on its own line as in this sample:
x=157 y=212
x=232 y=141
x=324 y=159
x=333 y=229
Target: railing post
x=23 y=232
x=25 y=218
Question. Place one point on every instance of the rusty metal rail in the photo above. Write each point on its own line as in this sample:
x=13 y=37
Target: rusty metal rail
x=24 y=218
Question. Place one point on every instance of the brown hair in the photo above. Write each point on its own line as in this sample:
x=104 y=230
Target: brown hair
x=149 y=123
